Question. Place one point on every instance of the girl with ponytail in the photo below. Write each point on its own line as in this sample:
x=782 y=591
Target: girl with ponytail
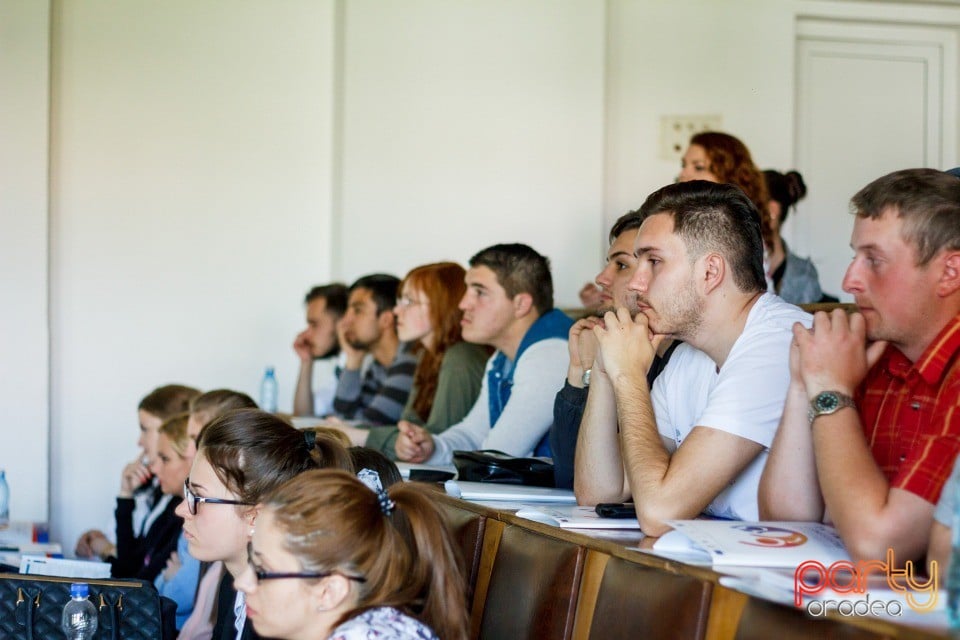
x=333 y=559
x=241 y=457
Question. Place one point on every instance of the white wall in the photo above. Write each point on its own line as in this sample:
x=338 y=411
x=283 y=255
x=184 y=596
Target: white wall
x=470 y=123
x=192 y=182
x=24 y=370
x=734 y=59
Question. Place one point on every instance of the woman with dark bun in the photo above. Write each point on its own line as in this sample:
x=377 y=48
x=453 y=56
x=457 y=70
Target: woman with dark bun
x=721 y=157
x=794 y=278
x=334 y=558
x=241 y=457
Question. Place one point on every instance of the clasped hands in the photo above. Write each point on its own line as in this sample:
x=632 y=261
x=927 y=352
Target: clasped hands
x=414 y=444
x=833 y=355
x=622 y=346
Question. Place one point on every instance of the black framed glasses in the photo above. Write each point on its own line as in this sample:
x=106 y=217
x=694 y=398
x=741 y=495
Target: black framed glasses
x=269 y=575
x=193 y=500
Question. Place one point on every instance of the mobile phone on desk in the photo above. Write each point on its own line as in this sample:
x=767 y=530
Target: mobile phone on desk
x=616 y=510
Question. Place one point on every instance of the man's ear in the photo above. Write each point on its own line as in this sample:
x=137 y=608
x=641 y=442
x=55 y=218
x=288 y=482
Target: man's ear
x=714 y=269
x=387 y=320
x=949 y=280
x=330 y=592
x=522 y=304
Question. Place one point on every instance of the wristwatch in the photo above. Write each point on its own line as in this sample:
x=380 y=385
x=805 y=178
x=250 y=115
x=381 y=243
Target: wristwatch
x=827 y=402
x=585 y=378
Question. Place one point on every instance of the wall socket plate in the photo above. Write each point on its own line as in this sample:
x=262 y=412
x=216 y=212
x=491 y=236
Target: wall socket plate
x=676 y=131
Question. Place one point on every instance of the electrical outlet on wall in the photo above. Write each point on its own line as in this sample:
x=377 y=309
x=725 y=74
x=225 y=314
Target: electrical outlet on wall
x=676 y=131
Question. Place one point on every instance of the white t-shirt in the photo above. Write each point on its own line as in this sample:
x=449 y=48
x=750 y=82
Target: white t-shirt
x=744 y=398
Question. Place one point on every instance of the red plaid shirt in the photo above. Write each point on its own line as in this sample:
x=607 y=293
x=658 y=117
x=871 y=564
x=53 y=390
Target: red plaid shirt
x=911 y=414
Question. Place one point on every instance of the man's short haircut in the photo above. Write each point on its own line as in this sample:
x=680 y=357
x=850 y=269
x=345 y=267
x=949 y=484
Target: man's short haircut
x=715 y=217
x=928 y=202
x=519 y=269
x=169 y=400
x=383 y=287
x=626 y=222
x=335 y=294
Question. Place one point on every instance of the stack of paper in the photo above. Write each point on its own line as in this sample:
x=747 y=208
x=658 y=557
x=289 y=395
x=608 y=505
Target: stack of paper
x=487 y=491
x=43 y=566
x=574 y=517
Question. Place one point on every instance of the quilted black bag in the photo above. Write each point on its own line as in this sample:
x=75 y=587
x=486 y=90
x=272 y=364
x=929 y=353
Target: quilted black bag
x=490 y=465
x=30 y=608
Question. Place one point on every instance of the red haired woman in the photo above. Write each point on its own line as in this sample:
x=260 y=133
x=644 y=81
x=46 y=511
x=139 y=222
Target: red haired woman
x=449 y=373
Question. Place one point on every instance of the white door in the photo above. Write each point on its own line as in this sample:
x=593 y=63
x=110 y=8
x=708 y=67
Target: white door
x=870 y=99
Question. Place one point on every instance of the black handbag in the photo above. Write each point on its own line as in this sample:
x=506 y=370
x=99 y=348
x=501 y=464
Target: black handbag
x=496 y=466
x=30 y=608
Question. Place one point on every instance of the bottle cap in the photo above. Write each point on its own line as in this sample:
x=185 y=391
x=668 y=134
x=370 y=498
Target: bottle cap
x=269 y=371
x=79 y=590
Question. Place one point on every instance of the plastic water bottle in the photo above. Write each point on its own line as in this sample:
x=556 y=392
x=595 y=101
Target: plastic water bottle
x=4 y=499
x=953 y=571
x=268 y=391
x=79 y=619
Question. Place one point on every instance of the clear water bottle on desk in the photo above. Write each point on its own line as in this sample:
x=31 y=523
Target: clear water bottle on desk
x=952 y=577
x=268 y=391
x=79 y=619
x=4 y=499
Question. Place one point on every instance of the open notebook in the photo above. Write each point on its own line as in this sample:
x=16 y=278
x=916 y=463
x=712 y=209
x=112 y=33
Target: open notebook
x=756 y=544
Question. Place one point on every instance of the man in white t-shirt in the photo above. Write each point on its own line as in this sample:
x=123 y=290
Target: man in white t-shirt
x=698 y=441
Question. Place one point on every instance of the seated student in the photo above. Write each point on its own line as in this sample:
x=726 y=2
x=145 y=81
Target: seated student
x=371 y=564
x=317 y=347
x=369 y=327
x=509 y=306
x=171 y=467
x=145 y=556
x=241 y=456
x=208 y=406
x=572 y=398
x=794 y=278
x=871 y=427
x=447 y=379
x=696 y=442
x=140 y=494
x=198 y=624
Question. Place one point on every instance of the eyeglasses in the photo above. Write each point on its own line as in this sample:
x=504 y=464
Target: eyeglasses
x=406 y=301
x=193 y=500
x=268 y=575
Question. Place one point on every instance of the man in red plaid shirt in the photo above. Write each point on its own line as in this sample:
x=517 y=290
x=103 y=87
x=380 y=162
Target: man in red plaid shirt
x=871 y=425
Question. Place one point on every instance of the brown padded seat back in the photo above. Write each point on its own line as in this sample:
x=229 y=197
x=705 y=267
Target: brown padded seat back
x=762 y=620
x=641 y=602
x=467 y=529
x=533 y=587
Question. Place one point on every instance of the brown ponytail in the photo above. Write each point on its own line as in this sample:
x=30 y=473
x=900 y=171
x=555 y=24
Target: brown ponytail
x=332 y=522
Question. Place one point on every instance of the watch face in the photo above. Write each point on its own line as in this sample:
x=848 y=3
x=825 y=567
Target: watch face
x=827 y=402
